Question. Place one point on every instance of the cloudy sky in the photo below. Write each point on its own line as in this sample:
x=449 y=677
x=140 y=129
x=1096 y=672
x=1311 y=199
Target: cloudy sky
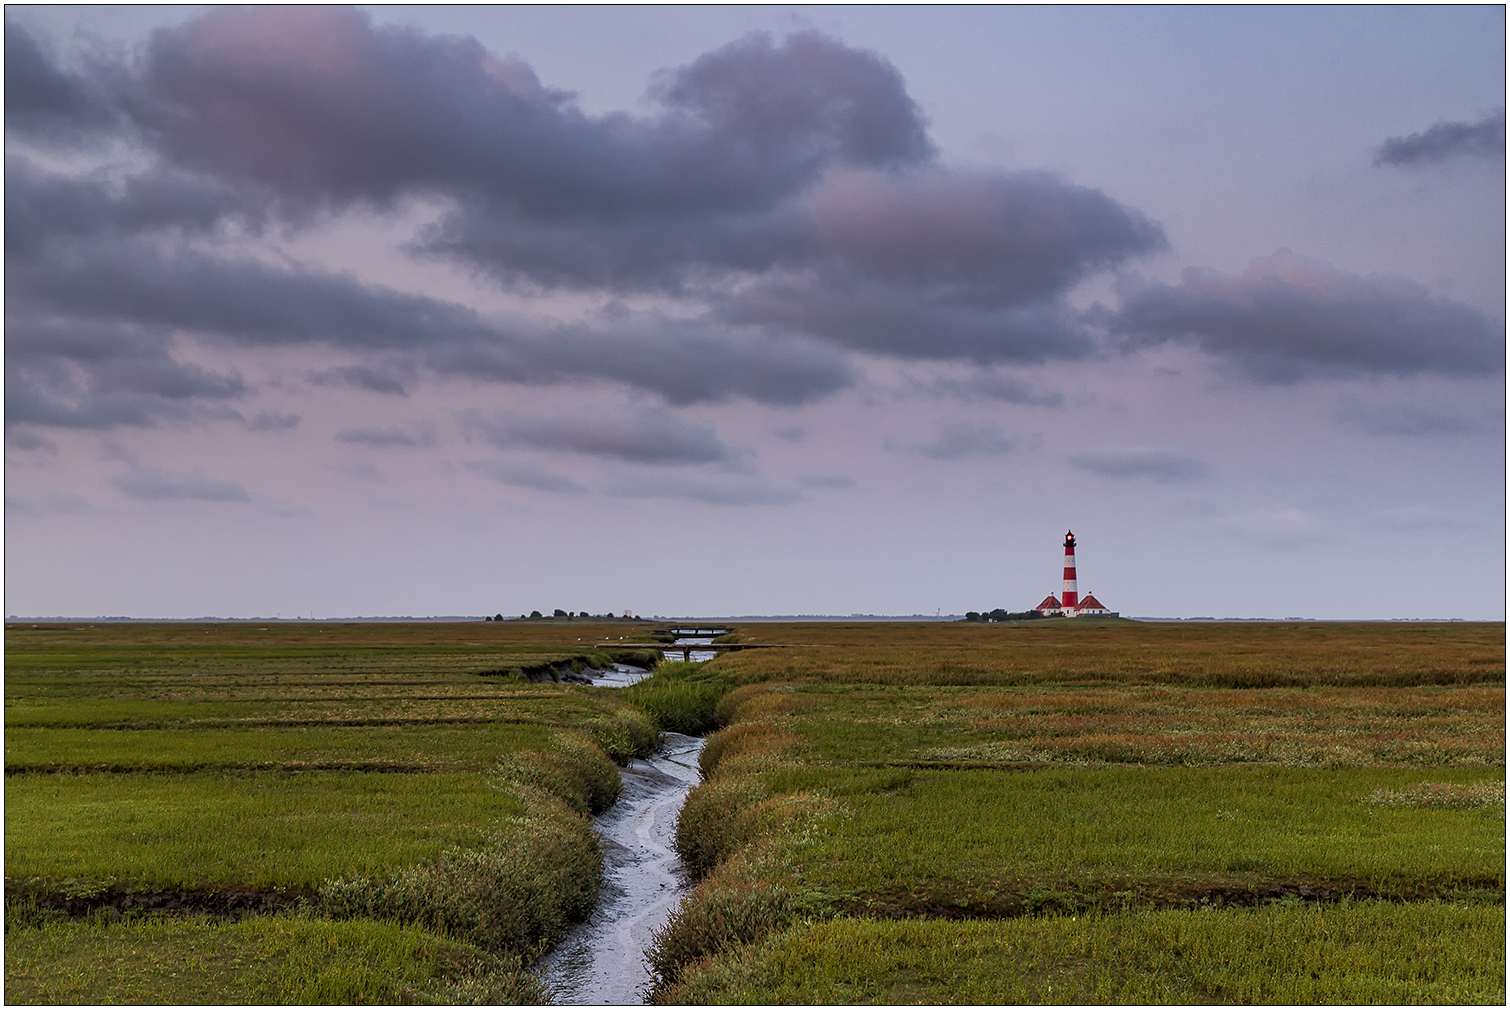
x=335 y=312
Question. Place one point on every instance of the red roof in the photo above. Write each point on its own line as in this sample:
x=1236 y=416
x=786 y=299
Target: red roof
x=1049 y=603
x=1091 y=603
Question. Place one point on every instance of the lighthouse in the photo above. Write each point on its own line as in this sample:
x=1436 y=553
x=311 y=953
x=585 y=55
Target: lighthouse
x=1070 y=603
x=1070 y=598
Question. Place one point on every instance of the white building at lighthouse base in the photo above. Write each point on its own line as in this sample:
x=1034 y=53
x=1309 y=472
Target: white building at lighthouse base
x=1089 y=606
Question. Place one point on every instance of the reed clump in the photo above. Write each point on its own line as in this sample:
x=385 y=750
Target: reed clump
x=680 y=697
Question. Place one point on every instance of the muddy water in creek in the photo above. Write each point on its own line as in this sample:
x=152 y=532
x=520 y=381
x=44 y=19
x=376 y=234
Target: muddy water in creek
x=603 y=959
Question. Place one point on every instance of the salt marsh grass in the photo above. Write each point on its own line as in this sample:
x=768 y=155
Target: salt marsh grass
x=988 y=840
x=1305 y=654
x=411 y=747
x=298 y=960
x=258 y=830
x=1351 y=953
x=1102 y=812
x=1141 y=724
x=380 y=775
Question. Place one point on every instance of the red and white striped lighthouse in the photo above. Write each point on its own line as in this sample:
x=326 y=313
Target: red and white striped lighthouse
x=1070 y=598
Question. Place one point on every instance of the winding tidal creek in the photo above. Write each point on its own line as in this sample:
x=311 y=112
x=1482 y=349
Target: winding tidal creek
x=603 y=959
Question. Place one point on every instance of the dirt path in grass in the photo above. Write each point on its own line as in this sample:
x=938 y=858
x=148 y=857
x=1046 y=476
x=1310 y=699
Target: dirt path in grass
x=602 y=961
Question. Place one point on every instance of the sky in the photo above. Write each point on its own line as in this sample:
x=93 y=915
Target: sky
x=335 y=312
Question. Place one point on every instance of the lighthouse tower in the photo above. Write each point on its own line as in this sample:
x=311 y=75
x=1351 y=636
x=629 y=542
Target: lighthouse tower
x=1070 y=598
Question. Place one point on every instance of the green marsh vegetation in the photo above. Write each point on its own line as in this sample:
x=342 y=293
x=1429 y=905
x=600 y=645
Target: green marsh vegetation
x=1057 y=811
x=1122 y=812
x=331 y=813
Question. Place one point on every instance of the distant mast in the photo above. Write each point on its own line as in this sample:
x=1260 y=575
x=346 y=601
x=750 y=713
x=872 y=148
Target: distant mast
x=1070 y=598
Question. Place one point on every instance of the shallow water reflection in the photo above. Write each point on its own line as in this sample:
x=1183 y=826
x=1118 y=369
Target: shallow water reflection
x=602 y=961
x=692 y=655
x=621 y=675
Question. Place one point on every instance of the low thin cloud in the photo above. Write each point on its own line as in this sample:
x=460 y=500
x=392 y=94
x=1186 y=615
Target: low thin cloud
x=384 y=438
x=1282 y=528
x=367 y=473
x=993 y=385
x=1443 y=140
x=60 y=503
x=25 y=439
x=525 y=475
x=635 y=435
x=831 y=482
x=966 y=440
x=373 y=380
x=726 y=491
x=1162 y=466
x=1406 y=418
x=1419 y=517
x=148 y=484
x=267 y=420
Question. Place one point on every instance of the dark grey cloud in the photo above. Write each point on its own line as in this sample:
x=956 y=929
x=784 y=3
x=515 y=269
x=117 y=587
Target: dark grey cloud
x=1288 y=318
x=267 y=420
x=250 y=303
x=147 y=484
x=643 y=435
x=935 y=264
x=1162 y=466
x=44 y=209
x=320 y=105
x=1406 y=418
x=1482 y=139
x=384 y=438
x=796 y=171
x=101 y=375
x=525 y=475
x=965 y=440
x=46 y=100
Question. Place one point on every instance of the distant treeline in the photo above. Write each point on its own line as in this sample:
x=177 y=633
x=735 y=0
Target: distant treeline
x=1001 y=615
x=570 y=615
